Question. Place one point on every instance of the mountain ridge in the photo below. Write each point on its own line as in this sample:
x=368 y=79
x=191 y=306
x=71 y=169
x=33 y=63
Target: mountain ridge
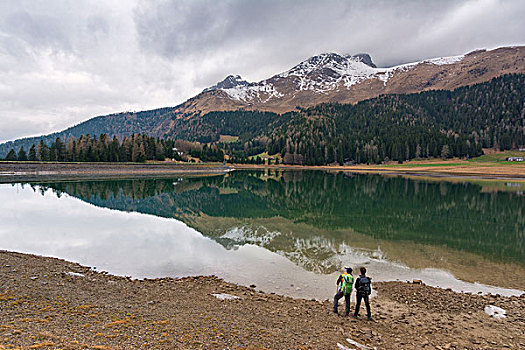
x=331 y=77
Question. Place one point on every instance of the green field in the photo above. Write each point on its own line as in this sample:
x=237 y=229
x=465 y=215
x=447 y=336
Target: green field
x=265 y=155
x=228 y=138
x=498 y=157
x=494 y=159
x=421 y=165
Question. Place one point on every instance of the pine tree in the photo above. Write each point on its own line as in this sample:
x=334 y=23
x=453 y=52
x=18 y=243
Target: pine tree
x=11 y=156
x=32 y=153
x=60 y=149
x=42 y=151
x=22 y=155
x=137 y=153
x=114 y=147
x=53 y=152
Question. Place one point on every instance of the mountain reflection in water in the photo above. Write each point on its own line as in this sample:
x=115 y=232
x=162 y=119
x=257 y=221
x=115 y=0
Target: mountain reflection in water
x=315 y=218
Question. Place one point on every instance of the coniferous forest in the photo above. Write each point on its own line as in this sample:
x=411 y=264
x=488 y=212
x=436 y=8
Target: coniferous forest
x=135 y=148
x=438 y=123
x=87 y=148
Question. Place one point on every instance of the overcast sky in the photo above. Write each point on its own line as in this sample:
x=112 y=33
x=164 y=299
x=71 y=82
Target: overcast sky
x=63 y=62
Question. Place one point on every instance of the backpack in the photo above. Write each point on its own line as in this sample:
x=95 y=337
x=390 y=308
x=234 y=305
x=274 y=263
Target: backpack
x=364 y=286
x=346 y=286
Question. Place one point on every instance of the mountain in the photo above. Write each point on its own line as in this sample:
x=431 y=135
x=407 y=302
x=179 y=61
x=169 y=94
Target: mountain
x=324 y=78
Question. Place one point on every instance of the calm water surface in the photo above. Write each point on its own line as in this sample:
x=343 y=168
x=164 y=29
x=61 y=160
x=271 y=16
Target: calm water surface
x=287 y=232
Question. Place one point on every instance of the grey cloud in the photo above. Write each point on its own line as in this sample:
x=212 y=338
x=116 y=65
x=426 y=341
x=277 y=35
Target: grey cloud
x=64 y=61
x=97 y=25
x=179 y=28
x=36 y=30
x=285 y=31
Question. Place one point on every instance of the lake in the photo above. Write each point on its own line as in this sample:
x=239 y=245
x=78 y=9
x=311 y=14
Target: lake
x=288 y=232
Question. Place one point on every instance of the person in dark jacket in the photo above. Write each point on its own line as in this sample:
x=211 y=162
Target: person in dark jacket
x=345 y=280
x=363 y=288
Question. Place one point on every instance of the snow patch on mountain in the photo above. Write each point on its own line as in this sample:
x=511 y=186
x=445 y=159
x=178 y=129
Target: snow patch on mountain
x=384 y=74
x=252 y=235
x=445 y=60
x=262 y=92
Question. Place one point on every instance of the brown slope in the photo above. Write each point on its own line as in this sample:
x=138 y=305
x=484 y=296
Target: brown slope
x=476 y=67
x=216 y=100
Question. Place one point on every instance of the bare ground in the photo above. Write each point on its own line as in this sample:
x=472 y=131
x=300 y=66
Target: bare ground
x=49 y=303
x=458 y=169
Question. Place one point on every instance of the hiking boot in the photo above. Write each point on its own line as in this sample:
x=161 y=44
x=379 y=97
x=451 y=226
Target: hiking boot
x=369 y=318
x=354 y=316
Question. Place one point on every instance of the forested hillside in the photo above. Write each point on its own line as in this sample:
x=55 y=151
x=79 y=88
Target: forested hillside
x=245 y=124
x=401 y=127
x=118 y=124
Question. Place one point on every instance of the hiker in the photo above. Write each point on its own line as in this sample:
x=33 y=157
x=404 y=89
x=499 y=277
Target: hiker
x=346 y=280
x=363 y=288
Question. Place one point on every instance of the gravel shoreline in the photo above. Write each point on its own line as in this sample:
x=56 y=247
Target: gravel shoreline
x=50 y=303
x=50 y=171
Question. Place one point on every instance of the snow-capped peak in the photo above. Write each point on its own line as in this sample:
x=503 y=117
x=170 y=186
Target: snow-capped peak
x=327 y=71
x=330 y=64
x=319 y=74
x=229 y=82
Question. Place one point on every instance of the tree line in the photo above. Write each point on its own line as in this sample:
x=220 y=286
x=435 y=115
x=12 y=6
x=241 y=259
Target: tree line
x=134 y=148
x=87 y=148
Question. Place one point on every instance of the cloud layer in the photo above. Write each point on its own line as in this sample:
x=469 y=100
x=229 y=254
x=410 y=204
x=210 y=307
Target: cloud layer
x=62 y=62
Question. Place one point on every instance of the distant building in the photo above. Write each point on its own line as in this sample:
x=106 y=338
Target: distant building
x=514 y=159
x=176 y=150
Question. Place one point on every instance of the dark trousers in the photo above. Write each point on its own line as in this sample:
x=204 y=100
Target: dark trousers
x=358 y=304
x=338 y=296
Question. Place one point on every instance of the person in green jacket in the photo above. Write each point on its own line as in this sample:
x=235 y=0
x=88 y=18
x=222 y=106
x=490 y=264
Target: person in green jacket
x=345 y=281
